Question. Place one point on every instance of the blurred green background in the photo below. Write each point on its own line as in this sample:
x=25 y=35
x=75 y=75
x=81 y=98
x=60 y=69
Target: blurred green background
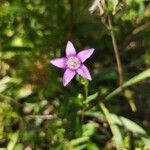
x=37 y=112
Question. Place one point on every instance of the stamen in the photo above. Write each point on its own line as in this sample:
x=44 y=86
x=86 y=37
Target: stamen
x=73 y=63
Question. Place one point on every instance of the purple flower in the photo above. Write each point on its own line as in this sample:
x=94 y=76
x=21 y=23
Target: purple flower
x=73 y=63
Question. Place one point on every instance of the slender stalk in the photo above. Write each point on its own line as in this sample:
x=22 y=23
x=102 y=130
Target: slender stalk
x=86 y=91
x=119 y=65
x=71 y=19
x=84 y=104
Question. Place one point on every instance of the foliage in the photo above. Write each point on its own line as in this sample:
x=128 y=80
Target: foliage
x=37 y=112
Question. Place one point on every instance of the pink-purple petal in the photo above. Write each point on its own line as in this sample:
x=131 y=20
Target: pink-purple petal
x=85 y=54
x=68 y=76
x=59 y=62
x=70 y=50
x=84 y=72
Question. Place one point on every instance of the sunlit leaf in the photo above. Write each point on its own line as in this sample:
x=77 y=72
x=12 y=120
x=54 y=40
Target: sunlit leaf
x=114 y=128
x=13 y=141
x=145 y=74
x=3 y=83
x=80 y=140
x=133 y=127
x=19 y=147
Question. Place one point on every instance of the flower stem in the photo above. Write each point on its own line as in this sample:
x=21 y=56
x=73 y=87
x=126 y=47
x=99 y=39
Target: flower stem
x=84 y=104
x=86 y=91
x=116 y=51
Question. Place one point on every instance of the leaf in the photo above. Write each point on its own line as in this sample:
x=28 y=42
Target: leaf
x=126 y=123
x=9 y=99
x=98 y=115
x=80 y=140
x=24 y=92
x=19 y=147
x=129 y=95
x=114 y=128
x=130 y=125
x=145 y=74
x=91 y=97
x=13 y=141
x=3 y=83
x=133 y=127
x=89 y=129
x=80 y=147
x=92 y=146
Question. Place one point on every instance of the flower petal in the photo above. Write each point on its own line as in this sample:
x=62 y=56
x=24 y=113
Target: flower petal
x=70 y=50
x=84 y=72
x=68 y=76
x=85 y=54
x=59 y=62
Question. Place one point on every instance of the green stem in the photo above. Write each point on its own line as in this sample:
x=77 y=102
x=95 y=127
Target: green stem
x=86 y=91
x=84 y=104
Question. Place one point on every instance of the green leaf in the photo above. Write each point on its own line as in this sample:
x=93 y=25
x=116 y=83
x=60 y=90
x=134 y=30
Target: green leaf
x=92 y=146
x=133 y=127
x=126 y=123
x=91 y=97
x=3 y=83
x=145 y=74
x=114 y=128
x=80 y=140
x=80 y=147
x=24 y=92
x=89 y=129
x=13 y=141
x=129 y=95
x=19 y=147
x=130 y=125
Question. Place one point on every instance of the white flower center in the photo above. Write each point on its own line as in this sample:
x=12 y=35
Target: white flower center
x=73 y=63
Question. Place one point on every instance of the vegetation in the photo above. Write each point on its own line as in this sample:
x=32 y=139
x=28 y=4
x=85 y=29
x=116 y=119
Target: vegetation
x=110 y=112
